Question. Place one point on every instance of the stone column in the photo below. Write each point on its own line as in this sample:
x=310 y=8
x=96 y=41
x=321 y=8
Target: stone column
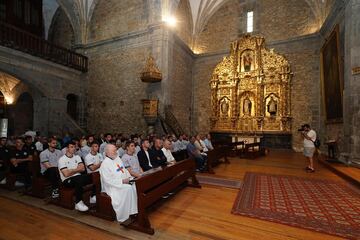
x=352 y=82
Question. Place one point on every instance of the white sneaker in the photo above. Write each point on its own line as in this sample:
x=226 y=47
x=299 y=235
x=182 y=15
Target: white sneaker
x=19 y=184
x=93 y=199
x=3 y=181
x=80 y=206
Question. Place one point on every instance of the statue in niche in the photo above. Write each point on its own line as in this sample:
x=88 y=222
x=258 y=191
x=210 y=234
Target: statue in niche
x=247 y=61
x=224 y=107
x=247 y=107
x=272 y=107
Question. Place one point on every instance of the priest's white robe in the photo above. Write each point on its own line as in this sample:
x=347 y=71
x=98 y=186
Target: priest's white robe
x=123 y=196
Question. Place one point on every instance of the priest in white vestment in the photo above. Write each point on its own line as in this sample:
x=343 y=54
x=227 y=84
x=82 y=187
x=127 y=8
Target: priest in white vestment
x=115 y=182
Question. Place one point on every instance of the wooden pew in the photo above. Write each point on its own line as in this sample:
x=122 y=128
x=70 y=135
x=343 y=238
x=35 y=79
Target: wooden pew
x=150 y=188
x=104 y=208
x=214 y=156
x=235 y=148
x=40 y=185
x=254 y=150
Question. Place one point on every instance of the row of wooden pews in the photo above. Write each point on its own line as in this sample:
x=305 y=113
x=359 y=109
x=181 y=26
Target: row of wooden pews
x=150 y=188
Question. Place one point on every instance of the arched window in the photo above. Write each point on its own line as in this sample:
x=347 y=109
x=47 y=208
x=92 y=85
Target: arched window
x=72 y=101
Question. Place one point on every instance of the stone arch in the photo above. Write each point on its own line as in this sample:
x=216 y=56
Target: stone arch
x=61 y=31
x=111 y=18
x=184 y=28
x=21 y=114
x=72 y=106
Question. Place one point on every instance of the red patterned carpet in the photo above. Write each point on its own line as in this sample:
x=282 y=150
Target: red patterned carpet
x=318 y=205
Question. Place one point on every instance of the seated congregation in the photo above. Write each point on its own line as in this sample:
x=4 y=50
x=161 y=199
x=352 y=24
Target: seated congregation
x=112 y=170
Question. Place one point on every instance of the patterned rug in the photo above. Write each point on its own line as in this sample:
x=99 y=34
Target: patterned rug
x=319 y=205
x=221 y=182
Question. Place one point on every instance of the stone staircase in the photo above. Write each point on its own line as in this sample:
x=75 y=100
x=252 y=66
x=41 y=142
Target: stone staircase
x=169 y=123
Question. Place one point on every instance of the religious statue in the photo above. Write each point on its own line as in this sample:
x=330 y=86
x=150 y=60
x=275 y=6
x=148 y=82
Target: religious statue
x=224 y=107
x=247 y=61
x=272 y=107
x=247 y=106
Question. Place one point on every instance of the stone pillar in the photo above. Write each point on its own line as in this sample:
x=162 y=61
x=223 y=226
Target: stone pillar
x=352 y=81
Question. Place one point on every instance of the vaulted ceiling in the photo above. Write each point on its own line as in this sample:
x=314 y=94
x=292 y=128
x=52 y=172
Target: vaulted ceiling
x=80 y=12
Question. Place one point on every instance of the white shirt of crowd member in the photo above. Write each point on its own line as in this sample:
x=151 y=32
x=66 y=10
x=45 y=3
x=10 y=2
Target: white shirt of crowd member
x=167 y=151
x=200 y=145
x=131 y=161
x=115 y=182
x=93 y=159
x=39 y=146
x=70 y=165
x=208 y=143
x=180 y=144
x=49 y=157
x=108 y=138
x=77 y=149
x=84 y=149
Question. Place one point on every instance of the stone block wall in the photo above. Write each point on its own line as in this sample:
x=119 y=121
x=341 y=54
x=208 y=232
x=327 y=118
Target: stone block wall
x=61 y=32
x=184 y=25
x=114 y=89
x=112 y=18
x=202 y=70
x=48 y=84
x=180 y=82
x=226 y=25
x=283 y=19
x=304 y=58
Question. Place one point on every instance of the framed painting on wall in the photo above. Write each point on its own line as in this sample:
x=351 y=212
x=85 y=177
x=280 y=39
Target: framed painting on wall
x=332 y=79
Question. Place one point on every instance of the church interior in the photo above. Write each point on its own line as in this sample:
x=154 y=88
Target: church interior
x=180 y=119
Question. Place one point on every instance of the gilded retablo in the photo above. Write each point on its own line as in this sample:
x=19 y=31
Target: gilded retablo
x=250 y=89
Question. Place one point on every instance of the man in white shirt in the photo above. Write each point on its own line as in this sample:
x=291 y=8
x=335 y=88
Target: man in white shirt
x=309 y=136
x=115 y=182
x=131 y=160
x=121 y=150
x=208 y=143
x=70 y=168
x=93 y=159
x=167 y=151
x=108 y=138
x=49 y=165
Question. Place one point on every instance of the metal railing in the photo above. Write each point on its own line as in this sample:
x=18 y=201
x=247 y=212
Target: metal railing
x=15 y=38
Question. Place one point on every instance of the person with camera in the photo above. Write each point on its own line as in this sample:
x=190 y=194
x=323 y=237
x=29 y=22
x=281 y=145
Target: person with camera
x=309 y=136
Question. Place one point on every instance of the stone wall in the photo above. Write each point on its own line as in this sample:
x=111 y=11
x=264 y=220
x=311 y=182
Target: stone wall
x=274 y=19
x=48 y=83
x=180 y=80
x=333 y=130
x=184 y=24
x=202 y=70
x=115 y=90
x=283 y=19
x=112 y=18
x=61 y=32
x=223 y=27
x=303 y=55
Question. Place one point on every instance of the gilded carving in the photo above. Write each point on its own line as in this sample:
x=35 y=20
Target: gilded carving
x=250 y=89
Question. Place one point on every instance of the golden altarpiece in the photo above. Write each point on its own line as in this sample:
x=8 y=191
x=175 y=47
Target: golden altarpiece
x=250 y=90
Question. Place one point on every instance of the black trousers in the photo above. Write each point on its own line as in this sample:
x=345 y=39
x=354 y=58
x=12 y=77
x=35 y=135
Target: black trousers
x=78 y=182
x=52 y=174
x=23 y=169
